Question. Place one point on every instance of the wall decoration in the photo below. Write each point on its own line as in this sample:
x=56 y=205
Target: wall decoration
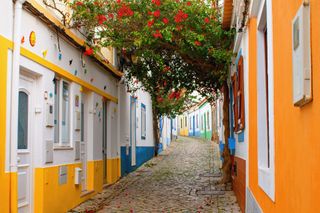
x=70 y=62
x=76 y=101
x=44 y=53
x=85 y=71
x=105 y=87
x=51 y=95
x=32 y=39
x=89 y=51
x=60 y=56
x=22 y=40
x=91 y=80
x=75 y=72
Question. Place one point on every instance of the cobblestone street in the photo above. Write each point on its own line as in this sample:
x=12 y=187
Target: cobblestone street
x=184 y=178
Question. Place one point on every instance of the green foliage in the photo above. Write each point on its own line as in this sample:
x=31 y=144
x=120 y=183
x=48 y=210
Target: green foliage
x=180 y=45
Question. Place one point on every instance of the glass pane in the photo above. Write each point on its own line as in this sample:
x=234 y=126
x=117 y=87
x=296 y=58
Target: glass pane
x=82 y=121
x=65 y=113
x=56 y=110
x=23 y=120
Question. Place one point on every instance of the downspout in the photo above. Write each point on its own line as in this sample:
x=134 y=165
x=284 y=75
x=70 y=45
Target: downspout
x=15 y=99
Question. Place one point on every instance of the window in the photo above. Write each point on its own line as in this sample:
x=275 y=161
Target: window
x=62 y=113
x=82 y=117
x=208 y=120
x=265 y=102
x=238 y=97
x=181 y=122
x=190 y=123
x=185 y=121
x=23 y=120
x=56 y=110
x=201 y=122
x=197 y=121
x=143 y=121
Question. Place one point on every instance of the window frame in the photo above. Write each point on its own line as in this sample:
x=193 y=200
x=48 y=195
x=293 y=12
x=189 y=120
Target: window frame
x=59 y=143
x=265 y=100
x=143 y=128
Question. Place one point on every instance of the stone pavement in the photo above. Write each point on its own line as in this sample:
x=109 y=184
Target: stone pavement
x=184 y=178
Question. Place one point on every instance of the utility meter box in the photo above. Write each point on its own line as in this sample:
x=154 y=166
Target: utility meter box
x=77 y=176
x=301 y=57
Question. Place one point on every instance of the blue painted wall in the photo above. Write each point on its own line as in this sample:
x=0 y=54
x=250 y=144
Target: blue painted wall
x=143 y=154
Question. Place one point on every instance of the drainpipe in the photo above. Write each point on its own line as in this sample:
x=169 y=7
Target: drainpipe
x=15 y=94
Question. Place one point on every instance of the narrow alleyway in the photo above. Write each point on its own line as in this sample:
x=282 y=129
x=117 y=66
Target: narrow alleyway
x=184 y=178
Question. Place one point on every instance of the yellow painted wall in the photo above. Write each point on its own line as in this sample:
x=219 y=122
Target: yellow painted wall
x=49 y=196
x=297 y=146
x=113 y=170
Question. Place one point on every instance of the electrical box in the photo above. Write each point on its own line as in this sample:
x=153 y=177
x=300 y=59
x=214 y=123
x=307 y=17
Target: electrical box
x=49 y=115
x=77 y=176
x=77 y=150
x=78 y=121
x=301 y=57
x=49 y=152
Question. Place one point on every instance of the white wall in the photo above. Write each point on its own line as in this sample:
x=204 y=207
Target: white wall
x=142 y=98
x=102 y=79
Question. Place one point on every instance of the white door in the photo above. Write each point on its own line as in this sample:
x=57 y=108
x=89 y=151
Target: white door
x=25 y=136
x=133 y=130
x=83 y=143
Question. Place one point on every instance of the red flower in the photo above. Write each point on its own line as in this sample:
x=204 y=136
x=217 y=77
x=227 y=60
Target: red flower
x=188 y=3
x=149 y=13
x=79 y=3
x=197 y=43
x=166 y=69
x=111 y=16
x=156 y=13
x=206 y=20
x=101 y=19
x=160 y=99
x=157 y=34
x=125 y=11
x=150 y=23
x=88 y=51
x=180 y=17
x=165 y=83
x=179 y=27
x=165 y=20
x=118 y=1
x=156 y=2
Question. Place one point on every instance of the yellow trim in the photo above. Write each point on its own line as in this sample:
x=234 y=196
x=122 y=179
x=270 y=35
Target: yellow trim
x=78 y=40
x=34 y=57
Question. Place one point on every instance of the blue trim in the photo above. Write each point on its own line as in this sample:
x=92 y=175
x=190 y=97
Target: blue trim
x=143 y=154
x=231 y=111
x=143 y=137
x=238 y=58
x=241 y=137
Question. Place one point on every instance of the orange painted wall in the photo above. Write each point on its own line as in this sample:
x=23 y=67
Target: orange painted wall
x=297 y=134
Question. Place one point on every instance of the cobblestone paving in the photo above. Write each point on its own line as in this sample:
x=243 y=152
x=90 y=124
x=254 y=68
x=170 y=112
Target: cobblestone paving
x=184 y=178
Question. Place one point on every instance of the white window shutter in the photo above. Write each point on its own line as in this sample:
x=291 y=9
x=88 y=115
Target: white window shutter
x=301 y=57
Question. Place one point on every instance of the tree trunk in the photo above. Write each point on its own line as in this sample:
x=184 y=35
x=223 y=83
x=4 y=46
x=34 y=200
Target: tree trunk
x=156 y=131
x=227 y=162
